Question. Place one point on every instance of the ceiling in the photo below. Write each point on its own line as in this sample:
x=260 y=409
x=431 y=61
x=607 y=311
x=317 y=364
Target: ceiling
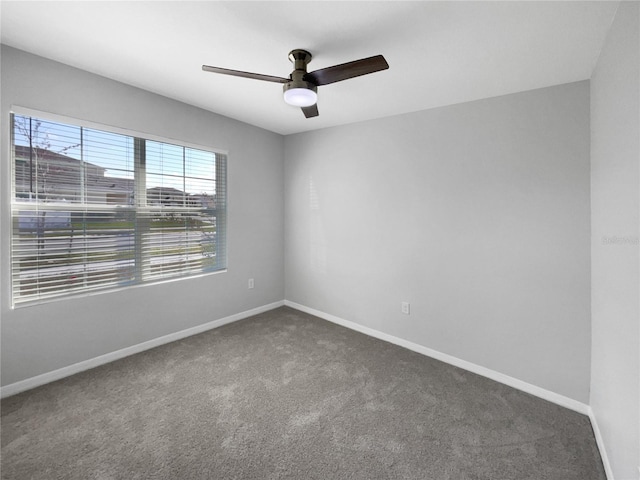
x=440 y=53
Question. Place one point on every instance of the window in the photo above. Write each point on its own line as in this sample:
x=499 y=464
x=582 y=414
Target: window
x=93 y=210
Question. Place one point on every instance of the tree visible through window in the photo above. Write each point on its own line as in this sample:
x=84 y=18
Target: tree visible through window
x=96 y=210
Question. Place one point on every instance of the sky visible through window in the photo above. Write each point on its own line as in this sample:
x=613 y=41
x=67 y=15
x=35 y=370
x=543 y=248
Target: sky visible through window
x=168 y=166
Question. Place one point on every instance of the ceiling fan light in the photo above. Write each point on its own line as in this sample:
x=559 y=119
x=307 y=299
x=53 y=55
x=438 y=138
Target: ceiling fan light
x=300 y=97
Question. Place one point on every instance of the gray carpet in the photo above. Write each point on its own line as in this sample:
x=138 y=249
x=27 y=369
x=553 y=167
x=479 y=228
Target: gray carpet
x=285 y=395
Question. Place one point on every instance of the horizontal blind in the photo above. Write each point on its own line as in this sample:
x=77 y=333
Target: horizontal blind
x=181 y=227
x=94 y=210
x=63 y=251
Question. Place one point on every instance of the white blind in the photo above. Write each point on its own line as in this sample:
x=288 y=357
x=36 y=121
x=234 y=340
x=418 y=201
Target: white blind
x=94 y=210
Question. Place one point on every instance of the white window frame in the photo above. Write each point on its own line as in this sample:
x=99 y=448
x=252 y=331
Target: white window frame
x=140 y=207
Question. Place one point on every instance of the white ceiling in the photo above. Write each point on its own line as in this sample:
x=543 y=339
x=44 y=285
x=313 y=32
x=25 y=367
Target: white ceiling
x=440 y=53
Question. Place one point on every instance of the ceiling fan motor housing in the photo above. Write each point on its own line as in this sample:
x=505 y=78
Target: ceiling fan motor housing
x=300 y=59
x=299 y=84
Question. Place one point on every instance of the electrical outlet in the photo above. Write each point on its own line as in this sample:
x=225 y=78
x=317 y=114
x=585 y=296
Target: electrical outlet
x=405 y=308
x=250 y=283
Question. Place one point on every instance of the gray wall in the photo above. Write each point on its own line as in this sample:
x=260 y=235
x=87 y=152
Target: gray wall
x=615 y=195
x=43 y=338
x=477 y=214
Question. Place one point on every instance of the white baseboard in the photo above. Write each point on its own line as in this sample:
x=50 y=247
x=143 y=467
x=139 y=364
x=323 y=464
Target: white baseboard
x=553 y=397
x=54 y=375
x=472 y=367
x=600 y=442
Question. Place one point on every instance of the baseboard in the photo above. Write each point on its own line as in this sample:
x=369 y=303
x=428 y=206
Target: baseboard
x=548 y=395
x=472 y=367
x=54 y=375
x=600 y=442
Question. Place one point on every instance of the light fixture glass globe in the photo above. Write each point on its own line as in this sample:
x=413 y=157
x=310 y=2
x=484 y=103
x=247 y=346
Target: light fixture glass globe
x=300 y=97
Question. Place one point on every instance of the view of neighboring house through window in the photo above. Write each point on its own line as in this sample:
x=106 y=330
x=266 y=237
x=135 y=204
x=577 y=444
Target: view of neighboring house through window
x=95 y=210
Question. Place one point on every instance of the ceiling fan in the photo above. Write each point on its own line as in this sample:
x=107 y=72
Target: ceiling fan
x=300 y=89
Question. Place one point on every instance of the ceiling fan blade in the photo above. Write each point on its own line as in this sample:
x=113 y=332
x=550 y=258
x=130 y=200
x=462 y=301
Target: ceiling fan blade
x=311 y=111
x=344 y=71
x=239 y=73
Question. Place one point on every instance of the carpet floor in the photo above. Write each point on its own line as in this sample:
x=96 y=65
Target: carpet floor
x=285 y=395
